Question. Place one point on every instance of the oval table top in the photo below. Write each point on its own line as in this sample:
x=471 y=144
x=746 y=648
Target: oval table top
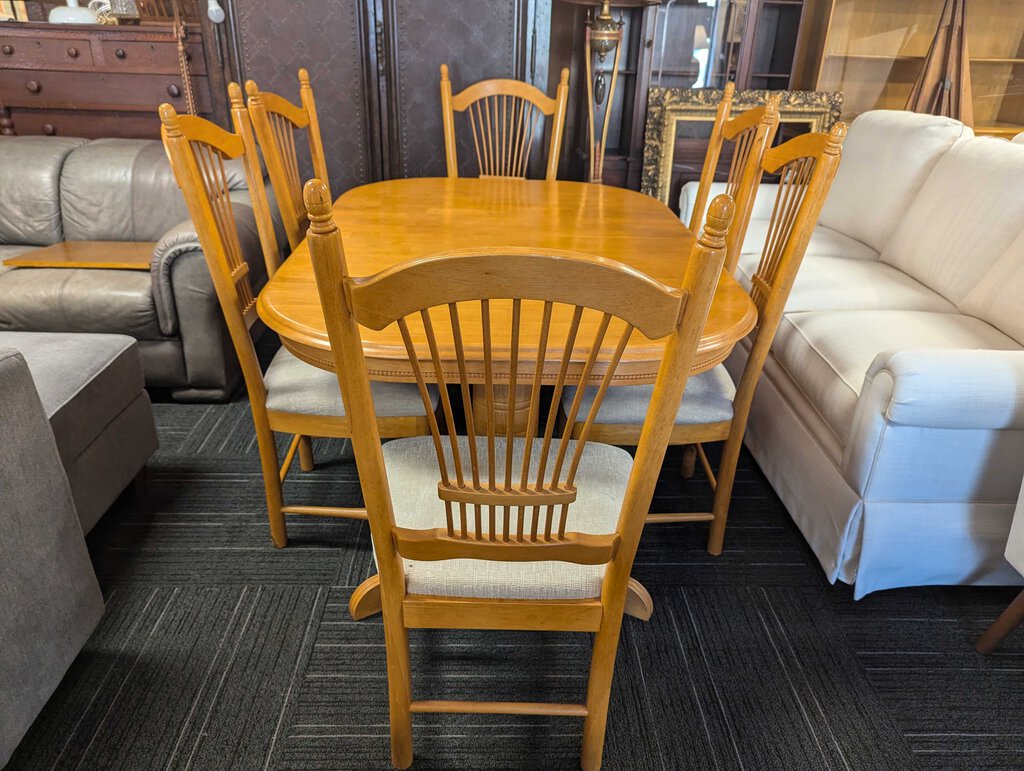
x=386 y=223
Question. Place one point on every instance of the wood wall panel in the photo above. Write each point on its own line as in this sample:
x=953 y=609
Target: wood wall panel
x=478 y=40
x=275 y=39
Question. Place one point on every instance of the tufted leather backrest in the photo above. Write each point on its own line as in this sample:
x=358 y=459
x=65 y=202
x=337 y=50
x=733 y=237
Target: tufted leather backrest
x=124 y=190
x=30 y=169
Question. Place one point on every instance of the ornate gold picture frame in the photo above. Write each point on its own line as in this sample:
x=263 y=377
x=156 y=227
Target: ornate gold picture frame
x=668 y=107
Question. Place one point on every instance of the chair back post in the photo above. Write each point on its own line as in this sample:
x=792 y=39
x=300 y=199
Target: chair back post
x=700 y=280
x=558 y=125
x=747 y=179
x=316 y=144
x=254 y=178
x=448 y=114
x=234 y=293
x=707 y=174
x=770 y=296
x=331 y=271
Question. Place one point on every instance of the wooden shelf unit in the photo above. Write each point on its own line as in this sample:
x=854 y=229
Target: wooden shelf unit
x=874 y=50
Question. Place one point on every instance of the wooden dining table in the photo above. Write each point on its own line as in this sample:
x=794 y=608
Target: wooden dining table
x=386 y=223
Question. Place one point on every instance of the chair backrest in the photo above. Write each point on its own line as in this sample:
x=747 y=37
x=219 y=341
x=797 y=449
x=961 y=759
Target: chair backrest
x=276 y=121
x=806 y=167
x=472 y=304
x=504 y=116
x=752 y=133
x=197 y=150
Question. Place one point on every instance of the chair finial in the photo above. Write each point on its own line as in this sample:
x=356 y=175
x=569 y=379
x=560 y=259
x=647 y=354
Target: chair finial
x=716 y=225
x=564 y=79
x=235 y=95
x=728 y=91
x=318 y=203
x=303 y=76
x=444 y=72
x=835 y=138
x=169 y=119
x=772 y=104
x=252 y=90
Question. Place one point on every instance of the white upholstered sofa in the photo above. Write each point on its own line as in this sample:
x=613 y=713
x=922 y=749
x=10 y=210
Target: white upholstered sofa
x=890 y=417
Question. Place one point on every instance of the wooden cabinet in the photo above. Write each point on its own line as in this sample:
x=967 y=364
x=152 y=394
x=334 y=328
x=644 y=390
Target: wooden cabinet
x=96 y=81
x=874 y=51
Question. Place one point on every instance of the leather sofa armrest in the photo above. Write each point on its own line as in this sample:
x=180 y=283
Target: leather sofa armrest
x=951 y=388
x=182 y=240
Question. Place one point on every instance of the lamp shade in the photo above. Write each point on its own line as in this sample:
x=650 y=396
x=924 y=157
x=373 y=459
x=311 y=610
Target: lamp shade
x=72 y=14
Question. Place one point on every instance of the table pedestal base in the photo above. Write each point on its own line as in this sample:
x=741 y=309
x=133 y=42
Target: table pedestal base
x=520 y=408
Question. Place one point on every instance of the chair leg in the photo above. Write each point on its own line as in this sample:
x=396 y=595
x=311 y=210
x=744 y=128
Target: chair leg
x=723 y=492
x=599 y=689
x=396 y=643
x=689 y=464
x=306 y=460
x=1010 y=619
x=272 y=484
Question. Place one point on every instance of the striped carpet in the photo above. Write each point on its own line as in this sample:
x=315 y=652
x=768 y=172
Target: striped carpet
x=219 y=652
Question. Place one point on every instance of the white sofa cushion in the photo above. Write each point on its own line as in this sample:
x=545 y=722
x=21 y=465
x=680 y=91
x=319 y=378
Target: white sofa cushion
x=827 y=354
x=413 y=474
x=835 y=283
x=824 y=241
x=997 y=297
x=887 y=156
x=964 y=218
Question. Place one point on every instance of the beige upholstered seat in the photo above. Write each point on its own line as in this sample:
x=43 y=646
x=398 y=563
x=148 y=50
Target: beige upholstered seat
x=294 y=386
x=708 y=399
x=601 y=483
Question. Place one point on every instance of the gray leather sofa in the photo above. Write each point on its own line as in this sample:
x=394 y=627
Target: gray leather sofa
x=48 y=590
x=54 y=189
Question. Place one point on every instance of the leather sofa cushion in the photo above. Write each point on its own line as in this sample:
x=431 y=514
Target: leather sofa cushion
x=30 y=169
x=824 y=241
x=84 y=382
x=79 y=300
x=827 y=354
x=963 y=219
x=835 y=283
x=997 y=297
x=887 y=156
x=124 y=190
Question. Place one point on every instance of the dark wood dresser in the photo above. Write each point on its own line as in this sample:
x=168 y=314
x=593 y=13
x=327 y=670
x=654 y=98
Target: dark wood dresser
x=99 y=81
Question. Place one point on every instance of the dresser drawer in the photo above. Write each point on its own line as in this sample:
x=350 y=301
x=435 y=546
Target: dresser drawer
x=98 y=90
x=89 y=124
x=149 y=56
x=26 y=53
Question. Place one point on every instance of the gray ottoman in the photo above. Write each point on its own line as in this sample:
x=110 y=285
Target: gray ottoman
x=91 y=387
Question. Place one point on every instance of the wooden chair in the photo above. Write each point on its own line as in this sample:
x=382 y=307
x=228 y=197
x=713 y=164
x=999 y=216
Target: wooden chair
x=752 y=133
x=501 y=504
x=276 y=121
x=293 y=397
x=715 y=409
x=503 y=115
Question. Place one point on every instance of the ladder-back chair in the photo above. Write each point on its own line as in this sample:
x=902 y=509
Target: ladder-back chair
x=504 y=116
x=487 y=530
x=714 y=409
x=293 y=397
x=276 y=121
x=752 y=133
